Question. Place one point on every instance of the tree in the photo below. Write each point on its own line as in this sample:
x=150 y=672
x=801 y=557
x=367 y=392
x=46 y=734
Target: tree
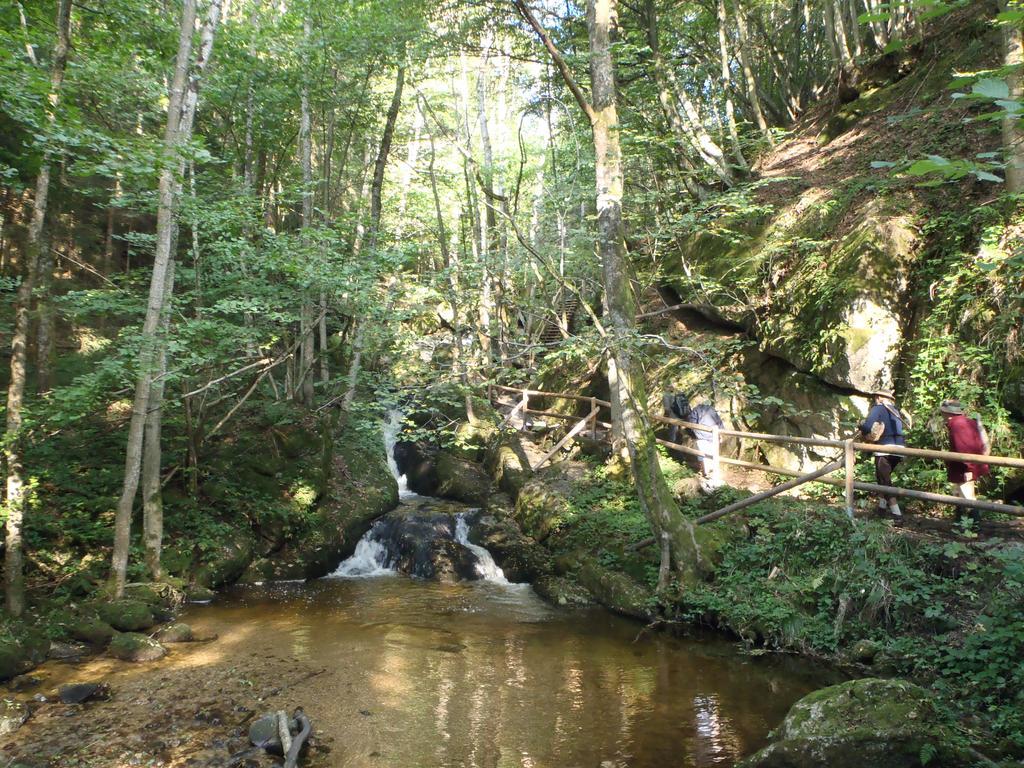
x=182 y=104
x=625 y=377
x=17 y=494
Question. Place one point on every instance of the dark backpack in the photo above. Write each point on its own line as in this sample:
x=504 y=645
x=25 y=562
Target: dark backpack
x=680 y=406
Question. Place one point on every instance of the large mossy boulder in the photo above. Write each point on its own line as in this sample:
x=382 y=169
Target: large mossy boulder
x=542 y=504
x=519 y=557
x=462 y=480
x=131 y=646
x=227 y=560
x=508 y=464
x=22 y=652
x=868 y=722
x=126 y=615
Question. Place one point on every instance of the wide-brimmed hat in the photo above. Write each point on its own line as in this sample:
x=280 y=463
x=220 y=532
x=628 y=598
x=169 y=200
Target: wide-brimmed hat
x=886 y=393
x=951 y=407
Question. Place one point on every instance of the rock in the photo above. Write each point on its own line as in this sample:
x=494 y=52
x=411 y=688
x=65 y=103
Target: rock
x=13 y=715
x=864 y=651
x=508 y=463
x=226 y=562
x=24 y=682
x=126 y=615
x=264 y=733
x=67 y=651
x=77 y=693
x=520 y=558
x=881 y=723
x=562 y=591
x=89 y=629
x=178 y=632
x=462 y=480
x=424 y=545
x=200 y=594
x=22 y=653
x=131 y=646
x=417 y=462
x=616 y=591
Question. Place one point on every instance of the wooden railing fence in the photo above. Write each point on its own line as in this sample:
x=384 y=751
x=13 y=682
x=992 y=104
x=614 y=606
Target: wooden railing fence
x=846 y=462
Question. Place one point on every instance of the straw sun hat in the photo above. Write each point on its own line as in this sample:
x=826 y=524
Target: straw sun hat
x=951 y=407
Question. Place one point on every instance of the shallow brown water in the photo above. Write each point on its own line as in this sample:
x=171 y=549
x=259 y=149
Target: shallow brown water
x=484 y=675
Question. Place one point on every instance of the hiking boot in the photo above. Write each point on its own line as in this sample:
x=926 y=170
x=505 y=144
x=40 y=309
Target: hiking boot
x=894 y=509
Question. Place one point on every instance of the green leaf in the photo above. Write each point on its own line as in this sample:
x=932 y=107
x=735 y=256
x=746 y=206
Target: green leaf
x=882 y=164
x=986 y=176
x=991 y=88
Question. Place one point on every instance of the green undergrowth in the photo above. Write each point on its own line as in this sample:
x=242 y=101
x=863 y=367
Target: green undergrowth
x=948 y=615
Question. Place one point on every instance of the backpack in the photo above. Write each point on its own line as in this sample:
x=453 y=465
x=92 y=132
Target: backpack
x=680 y=407
x=878 y=427
x=986 y=444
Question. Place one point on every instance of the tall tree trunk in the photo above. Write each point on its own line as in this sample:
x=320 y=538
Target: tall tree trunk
x=17 y=497
x=730 y=110
x=488 y=220
x=1013 y=58
x=152 y=457
x=307 y=346
x=376 y=190
x=181 y=108
x=45 y=315
x=625 y=373
x=688 y=126
x=748 y=72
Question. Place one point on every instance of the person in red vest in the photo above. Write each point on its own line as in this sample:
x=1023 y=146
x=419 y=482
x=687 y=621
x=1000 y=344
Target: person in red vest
x=964 y=437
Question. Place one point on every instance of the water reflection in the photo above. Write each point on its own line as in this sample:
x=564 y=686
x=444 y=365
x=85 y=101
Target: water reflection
x=483 y=676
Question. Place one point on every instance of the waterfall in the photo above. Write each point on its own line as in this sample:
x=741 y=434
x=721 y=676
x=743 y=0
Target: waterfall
x=371 y=558
x=486 y=568
x=392 y=429
x=421 y=538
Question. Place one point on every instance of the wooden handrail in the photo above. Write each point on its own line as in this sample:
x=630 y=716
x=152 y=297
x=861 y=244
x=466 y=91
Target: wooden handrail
x=847 y=483
x=540 y=393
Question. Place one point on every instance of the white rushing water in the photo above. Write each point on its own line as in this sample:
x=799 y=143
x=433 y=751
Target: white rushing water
x=372 y=556
x=392 y=429
x=369 y=559
x=486 y=568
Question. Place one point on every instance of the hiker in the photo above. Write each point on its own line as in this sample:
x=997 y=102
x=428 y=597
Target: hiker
x=678 y=406
x=884 y=426
x=965 y=436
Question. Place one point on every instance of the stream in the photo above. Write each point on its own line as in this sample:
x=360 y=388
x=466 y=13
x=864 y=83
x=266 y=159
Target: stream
x=397 y=671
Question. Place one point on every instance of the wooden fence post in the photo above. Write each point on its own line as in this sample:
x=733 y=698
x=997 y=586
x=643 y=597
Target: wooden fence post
x=526 y=407
x=593 y=421
x=849 y=461
x=716 y=454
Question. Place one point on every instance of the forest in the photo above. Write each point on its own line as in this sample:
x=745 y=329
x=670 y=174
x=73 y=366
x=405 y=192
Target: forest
x=299 y=296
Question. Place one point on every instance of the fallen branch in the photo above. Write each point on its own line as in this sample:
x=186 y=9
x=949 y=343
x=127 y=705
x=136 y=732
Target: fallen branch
x=291 y=758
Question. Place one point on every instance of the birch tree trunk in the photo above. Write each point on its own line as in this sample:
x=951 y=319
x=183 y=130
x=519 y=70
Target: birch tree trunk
x=1013 y=58
x=748 y=72
x=307 y=346
x=687 y=125
x=182 y=103
x=152 y=500
x=17 y=497
x=730 y=110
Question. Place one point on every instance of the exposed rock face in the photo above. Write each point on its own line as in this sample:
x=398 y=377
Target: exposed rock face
x=462 y=480
x=881 y=723
x=131 y=646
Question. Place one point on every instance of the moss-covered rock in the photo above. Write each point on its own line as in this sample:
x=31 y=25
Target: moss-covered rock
x=178 y=632
x=126 y=615
x=543 y=502
x=519 y=557
x=882 y=723
x=462 y=480
x=22 y=651
x=507 y=463
x=131 y=646
x=616 y=591
x=224 y=563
